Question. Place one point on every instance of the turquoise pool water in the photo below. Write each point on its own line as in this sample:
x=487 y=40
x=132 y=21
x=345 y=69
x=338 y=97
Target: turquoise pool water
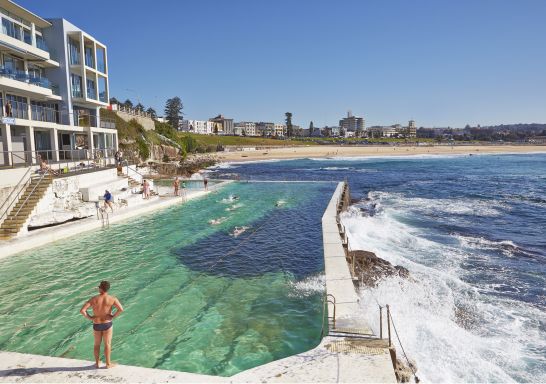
x=196 y=298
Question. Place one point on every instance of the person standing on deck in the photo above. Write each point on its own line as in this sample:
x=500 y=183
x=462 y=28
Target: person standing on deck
x=146 y=189
x=205 y=182
x=176 y=185
x=102 y=306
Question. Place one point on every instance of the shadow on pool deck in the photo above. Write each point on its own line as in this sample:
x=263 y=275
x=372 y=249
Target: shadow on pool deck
x=23 y=372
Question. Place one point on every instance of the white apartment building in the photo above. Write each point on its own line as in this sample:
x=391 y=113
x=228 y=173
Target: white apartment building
x=280 y=130
x=202 y=127
x=53 y=82
x=248 y=127
x=382 y=131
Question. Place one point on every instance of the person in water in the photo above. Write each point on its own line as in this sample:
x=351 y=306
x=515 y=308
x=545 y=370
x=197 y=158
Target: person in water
x=102 y=306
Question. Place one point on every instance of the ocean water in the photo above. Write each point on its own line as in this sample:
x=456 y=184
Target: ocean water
x=472 y=232
x=196 y=298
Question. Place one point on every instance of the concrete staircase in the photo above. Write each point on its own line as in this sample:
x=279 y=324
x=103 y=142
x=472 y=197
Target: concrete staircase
x=21 y=211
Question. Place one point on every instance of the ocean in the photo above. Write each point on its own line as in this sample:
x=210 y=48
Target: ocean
x=472 y=232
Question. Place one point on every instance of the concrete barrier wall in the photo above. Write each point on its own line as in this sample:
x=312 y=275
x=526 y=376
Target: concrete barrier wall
x=146 y=122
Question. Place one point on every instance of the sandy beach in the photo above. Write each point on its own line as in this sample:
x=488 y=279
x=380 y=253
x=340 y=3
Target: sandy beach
x=324 y=151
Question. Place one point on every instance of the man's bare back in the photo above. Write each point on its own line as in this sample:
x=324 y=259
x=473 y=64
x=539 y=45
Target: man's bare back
x=102 y=305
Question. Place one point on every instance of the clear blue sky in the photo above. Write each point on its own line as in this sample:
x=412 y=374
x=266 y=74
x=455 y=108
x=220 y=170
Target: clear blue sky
x=439 y=62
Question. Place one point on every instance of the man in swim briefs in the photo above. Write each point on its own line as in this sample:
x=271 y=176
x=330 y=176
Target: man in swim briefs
x=102 y=306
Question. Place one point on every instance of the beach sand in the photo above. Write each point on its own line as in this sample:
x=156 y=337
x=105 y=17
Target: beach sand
x=327 y=151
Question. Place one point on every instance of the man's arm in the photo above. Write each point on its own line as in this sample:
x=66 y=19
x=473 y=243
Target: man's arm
x=84 y=309
x=118 y=307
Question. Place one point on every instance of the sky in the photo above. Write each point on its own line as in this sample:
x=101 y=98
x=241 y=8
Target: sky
x=439 y=62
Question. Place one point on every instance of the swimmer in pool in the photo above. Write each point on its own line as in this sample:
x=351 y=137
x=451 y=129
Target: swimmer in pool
x=102 y=306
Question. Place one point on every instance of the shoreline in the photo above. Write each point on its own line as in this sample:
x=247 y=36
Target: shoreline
x=340 y=152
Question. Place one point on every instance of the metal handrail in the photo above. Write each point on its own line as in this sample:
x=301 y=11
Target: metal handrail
x=30 y=194
x=17 y=195
x=333 y=302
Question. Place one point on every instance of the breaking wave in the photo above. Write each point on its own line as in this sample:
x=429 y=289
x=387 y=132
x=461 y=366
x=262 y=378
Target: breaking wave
x=454 y=328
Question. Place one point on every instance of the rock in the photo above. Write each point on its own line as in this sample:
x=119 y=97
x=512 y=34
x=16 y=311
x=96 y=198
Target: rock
x=371 y=269
x=405 y=372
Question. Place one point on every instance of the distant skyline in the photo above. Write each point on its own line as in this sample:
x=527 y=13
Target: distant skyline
x=440 y=63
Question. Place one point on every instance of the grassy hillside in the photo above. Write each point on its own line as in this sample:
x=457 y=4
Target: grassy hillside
x=213 y=140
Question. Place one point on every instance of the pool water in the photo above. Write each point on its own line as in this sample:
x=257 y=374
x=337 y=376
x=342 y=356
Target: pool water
x=196 y=298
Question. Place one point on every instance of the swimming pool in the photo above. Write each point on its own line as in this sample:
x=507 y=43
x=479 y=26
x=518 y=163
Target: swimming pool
x=196 y=298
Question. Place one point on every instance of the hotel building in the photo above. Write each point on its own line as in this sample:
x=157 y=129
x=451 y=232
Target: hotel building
x=53 y=82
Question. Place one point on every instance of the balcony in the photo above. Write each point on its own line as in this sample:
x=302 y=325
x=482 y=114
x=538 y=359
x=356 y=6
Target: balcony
x=24 y=77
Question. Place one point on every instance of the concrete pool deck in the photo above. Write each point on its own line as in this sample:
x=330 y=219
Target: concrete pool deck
x=334 y=360
x=51 y=234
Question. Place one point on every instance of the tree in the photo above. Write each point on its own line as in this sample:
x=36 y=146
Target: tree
x=152 y=112
x=173 y=111
x=289 y=130
x=311 y=129
x=128 y=103
x=113 y=100
x=139 y=107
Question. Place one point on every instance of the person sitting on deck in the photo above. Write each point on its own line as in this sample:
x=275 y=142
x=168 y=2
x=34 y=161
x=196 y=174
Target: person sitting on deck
x=44 y=166
x=108 y=200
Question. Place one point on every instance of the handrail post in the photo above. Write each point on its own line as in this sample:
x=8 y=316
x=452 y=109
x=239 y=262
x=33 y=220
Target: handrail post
x=380 y=322
x=389 y=324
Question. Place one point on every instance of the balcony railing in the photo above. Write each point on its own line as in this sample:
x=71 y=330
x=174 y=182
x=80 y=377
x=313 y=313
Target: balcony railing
x=77 y=93
x=25 y=37
x=26 y=78
x=69 y=161
x=91 y=94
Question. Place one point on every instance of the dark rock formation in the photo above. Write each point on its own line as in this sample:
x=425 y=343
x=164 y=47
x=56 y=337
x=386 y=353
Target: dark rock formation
x=371 y=269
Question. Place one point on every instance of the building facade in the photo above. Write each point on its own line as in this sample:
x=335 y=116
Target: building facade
x=279 y=130
x=353 y=124
x=202 y=127
x=50 y=102
x=222 y=125
x=248 y=127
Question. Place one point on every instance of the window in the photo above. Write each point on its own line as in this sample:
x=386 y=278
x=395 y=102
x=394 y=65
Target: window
x=34 y=71
x=101 y=59
x=89 y=57
x=76 y=85
x=11 y=29
x=91 y=92
x=103 y=93
x=17 y=106
x=40 y=43
x=13 y=65
x=27 y=37
x=74 y=51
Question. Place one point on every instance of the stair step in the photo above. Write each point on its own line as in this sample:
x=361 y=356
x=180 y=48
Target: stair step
x=11 y=226
x=9 y=230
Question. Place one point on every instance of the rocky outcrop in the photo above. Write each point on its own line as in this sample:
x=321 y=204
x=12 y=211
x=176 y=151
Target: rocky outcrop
x=371 y=269
x=404 y=372
x=160 y=151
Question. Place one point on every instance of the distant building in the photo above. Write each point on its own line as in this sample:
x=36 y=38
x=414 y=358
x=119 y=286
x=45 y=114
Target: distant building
x=412 y=129
x=202 y=127
x=331 y=131
x=378 y=131
x=248 y=127
x=280 y=130
x=223 y=125
x=352 y=124
x=265 y=129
